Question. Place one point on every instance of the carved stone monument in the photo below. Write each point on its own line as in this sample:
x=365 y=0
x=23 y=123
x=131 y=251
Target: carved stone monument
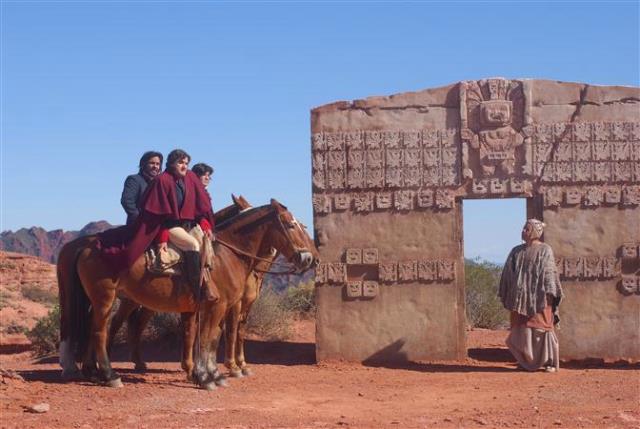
x=390 y=175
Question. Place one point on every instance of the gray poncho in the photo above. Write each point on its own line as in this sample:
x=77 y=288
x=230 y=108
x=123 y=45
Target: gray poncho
x=529 y=274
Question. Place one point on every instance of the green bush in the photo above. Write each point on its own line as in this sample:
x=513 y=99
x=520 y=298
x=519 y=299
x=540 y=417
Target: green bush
x=165 y=327
x=484 y=309
x=45 y=335
x=37 y=293
x=301 y=298
x=269 y=317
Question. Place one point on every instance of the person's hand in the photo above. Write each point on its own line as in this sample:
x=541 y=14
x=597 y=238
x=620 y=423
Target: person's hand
x=162 y=247
x=209 y=234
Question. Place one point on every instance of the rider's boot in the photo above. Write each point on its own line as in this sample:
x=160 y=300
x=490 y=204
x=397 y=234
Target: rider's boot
x=193 y=272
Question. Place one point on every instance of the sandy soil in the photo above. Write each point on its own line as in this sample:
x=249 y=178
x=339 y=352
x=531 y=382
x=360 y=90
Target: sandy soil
x=290 y=390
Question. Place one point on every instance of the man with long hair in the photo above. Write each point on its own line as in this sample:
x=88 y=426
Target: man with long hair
x=135 y=184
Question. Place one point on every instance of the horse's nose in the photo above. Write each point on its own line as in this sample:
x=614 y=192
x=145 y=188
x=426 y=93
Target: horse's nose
x=304 y=259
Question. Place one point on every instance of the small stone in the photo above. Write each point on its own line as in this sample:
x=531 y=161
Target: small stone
x=557 y=423
x=480 y=421
x=447 y=419
x=38 y=408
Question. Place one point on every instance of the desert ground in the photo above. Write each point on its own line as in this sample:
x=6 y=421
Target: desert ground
x=290 y=390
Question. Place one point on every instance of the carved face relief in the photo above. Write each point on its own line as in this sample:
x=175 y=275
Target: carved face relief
x=496 y=113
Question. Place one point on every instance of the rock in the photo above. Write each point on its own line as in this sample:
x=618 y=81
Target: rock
x=38 y=408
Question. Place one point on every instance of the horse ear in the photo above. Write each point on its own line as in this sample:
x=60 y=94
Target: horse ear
x=277 y=204
x=242 y=201
x=235 y=199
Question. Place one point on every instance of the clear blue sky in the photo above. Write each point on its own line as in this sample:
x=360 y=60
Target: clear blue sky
x=88 y=86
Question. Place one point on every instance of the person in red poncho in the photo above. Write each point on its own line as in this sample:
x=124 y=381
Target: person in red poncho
x=173 y=204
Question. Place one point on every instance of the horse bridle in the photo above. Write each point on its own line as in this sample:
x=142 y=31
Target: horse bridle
x=291 y=268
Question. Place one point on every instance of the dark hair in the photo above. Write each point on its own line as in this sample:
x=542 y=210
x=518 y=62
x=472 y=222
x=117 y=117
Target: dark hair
x=146 y=157
x=175 y=156
x=201 y=169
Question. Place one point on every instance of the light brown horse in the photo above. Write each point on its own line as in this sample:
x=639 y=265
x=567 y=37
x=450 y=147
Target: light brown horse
x=235 y=321
x=138 y=317
x=88 y=289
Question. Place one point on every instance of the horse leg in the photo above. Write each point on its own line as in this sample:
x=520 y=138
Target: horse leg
x=212 y=364
x=125 y=309
x=188 y=341
x=101 y=309
x=251 y=294
x=231 y=337
x=138 y=321
x=200 y=373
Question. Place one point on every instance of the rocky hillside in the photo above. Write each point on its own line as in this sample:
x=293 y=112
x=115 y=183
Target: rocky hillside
x=44 y=244
x=28 y=289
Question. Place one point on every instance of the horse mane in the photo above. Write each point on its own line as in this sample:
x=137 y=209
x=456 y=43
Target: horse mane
x=224 y=214
x=244 y=219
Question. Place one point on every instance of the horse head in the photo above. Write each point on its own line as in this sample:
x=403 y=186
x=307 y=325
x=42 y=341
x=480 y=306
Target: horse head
x=292 y=240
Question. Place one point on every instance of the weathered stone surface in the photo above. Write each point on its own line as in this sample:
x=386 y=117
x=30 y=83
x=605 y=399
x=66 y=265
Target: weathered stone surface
x=389 y=174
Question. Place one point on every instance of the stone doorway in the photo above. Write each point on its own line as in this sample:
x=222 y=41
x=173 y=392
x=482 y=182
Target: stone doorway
x=389 y=177
x=491 y=228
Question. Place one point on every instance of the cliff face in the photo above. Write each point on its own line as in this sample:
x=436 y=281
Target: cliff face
x=45 y=244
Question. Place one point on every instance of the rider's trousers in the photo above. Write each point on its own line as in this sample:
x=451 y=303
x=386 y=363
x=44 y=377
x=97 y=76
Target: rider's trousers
x=183 y=240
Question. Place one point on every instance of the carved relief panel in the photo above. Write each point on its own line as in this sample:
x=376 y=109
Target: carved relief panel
x=494 y=125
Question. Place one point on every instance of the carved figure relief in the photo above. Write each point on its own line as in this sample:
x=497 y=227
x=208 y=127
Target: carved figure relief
x=593 y=163
x=493 y=121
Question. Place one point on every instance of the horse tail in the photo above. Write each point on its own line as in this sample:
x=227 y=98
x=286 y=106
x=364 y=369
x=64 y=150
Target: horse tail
x=74 y=306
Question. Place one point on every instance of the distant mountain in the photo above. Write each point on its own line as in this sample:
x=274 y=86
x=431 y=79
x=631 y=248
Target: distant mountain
x=45 y=244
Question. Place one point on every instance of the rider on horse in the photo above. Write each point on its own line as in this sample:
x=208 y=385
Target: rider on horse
x=174 y=203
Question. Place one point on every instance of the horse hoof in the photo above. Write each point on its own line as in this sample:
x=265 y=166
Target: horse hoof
x=140 y=367
x=236 y=373
x=247 y=372
x=210 y=386
x=116 y=382
x=71 y=374
x=221 y=381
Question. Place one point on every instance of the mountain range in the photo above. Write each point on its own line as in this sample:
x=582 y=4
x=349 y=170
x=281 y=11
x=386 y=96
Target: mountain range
x=46 y=245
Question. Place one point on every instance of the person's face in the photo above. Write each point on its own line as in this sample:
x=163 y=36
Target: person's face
x=205 y=179
x=528 y=233
x=152 y=167
x=180 y=167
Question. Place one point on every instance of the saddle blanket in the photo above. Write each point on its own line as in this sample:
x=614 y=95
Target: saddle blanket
x=169 y=262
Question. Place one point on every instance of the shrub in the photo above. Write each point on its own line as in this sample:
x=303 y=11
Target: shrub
x=165 y=327
x=39 y=294
x=269 y=317
x=45 y=335
x=301 y=298
x=484 y=309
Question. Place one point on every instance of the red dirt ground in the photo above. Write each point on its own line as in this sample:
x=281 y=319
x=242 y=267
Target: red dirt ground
x=289 y=390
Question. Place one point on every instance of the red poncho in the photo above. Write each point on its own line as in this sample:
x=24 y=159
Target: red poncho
x=122 y=246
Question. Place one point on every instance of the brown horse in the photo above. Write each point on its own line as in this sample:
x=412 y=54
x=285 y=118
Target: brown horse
x=235 y=321
x=138 y=316
x=88 y=289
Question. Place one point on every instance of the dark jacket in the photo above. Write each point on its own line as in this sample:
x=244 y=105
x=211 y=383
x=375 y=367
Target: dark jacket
x=134 y=187
x=122 y=246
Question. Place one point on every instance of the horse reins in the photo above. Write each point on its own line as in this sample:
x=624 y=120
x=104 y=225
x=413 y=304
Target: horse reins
x=239 y=251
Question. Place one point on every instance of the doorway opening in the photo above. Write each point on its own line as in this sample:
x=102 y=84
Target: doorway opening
x=491 y=228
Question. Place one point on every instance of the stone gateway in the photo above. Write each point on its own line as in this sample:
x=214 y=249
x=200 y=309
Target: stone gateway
x=390 y=175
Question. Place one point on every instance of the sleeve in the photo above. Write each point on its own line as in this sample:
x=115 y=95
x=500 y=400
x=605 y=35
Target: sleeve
x=163 y=236
x=129 y=197
x=205 y=225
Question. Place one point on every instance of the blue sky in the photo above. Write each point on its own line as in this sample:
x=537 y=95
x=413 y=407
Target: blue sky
x=88 y=86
